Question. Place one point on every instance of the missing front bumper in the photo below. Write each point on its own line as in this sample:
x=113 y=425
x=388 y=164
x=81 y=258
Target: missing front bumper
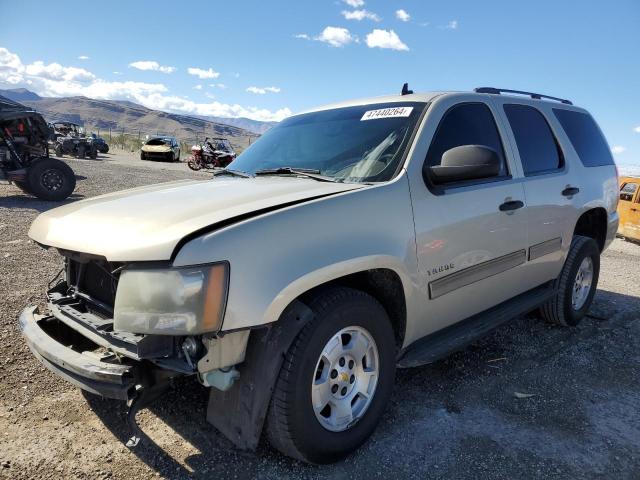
x=76 y=359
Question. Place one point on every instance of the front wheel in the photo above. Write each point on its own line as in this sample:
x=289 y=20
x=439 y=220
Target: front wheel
x=194 y=164
x=50 y=179
x=576 y=285
x=336 y=379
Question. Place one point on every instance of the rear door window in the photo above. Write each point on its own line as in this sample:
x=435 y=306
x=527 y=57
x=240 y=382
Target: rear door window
x=537 y=146
x=627 y=191
x=585 y=136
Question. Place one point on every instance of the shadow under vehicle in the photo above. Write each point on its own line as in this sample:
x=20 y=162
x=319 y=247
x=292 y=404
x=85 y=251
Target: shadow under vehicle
x=69 y=139
x=24 y=154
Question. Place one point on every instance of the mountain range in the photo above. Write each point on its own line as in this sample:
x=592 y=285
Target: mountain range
x=119 y=115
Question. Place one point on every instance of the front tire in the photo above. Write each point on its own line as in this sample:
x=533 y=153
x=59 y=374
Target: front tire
x=336 y=379
x=576 y=285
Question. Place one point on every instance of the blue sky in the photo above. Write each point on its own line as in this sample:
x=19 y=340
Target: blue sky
x=268 y=59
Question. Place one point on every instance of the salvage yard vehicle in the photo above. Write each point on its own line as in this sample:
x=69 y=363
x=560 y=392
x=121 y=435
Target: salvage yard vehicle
x=213 y=153
x=24 y=154
x=69 y=139
x=101 y=144
x=161 y=148
x=345 y=242
x=629 y=208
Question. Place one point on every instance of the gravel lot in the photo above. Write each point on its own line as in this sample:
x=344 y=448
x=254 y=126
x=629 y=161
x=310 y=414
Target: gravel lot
x=458 y=418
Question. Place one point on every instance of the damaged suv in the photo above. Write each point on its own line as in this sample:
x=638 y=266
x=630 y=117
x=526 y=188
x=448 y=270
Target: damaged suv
x=346 y=242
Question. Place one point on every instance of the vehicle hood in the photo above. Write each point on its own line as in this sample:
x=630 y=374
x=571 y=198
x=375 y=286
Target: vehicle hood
x=147 y=223
x=156 y=148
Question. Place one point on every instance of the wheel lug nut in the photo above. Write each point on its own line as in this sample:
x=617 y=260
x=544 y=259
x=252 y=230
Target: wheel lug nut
x=352 y=379
x=351 y=363
x=334 y=389
x=341 y=362
x=343 y=391
x=334 y=373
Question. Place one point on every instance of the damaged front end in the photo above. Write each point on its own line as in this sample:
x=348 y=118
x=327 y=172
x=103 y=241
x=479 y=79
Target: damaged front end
x=78 y=337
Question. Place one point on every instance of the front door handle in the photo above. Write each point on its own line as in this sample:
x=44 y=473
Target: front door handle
x=569 y=191
x=511 y=205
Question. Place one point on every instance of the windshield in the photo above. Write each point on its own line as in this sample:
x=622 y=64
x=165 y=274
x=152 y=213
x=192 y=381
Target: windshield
x=352 y=144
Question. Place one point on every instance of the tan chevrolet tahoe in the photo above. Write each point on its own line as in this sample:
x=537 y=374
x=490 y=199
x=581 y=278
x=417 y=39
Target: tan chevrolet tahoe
x=347 y=241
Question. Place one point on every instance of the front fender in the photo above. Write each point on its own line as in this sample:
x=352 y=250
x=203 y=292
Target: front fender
x=277 y=256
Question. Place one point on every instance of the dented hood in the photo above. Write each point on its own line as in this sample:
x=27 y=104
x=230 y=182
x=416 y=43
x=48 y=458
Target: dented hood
x=147 y=223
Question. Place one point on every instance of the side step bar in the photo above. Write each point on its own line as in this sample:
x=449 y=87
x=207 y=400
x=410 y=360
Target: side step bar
x=440 y=344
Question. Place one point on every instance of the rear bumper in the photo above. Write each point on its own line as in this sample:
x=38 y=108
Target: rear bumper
x=83 y=369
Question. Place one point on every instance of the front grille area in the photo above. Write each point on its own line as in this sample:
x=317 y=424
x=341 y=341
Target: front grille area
x=95 y=279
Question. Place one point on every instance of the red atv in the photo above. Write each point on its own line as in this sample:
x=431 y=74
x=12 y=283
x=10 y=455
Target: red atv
x=213 y=153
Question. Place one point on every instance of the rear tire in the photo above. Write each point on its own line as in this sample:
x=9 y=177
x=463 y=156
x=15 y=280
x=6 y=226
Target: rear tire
x=337 y=418
x=142 y=156
x=576 y=285
x=50 y=179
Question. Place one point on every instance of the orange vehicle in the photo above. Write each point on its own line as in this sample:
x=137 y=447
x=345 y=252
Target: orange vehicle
x=629 y=208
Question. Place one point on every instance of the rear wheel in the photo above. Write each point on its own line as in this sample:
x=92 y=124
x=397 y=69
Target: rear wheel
x=576 y=285
x=50 y=179
x=142 y=156
x=336 y=379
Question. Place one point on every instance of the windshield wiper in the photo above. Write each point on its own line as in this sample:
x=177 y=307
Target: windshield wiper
x=303 y=172
x=228 y=171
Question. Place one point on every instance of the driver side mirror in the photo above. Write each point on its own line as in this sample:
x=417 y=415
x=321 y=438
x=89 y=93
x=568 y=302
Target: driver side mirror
x=466 y=162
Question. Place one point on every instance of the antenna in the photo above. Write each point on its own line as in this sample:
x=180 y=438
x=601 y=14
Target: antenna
x=405 y=90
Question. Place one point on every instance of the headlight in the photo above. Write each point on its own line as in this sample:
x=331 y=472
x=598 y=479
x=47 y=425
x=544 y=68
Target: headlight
x=174 y=301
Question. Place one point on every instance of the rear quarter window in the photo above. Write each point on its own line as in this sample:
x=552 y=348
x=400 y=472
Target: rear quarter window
x=586 y=137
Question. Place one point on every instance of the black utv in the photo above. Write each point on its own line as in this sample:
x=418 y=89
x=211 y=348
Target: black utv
x=24 y=154
x=69 y=139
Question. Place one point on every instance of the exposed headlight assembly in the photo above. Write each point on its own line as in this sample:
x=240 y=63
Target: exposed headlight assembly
x=172 y=301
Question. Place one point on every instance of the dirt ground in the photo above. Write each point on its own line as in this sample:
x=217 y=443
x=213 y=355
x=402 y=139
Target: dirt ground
x=458 y=418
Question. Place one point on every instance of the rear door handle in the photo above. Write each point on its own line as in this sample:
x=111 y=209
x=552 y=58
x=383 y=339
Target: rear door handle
x=511 y=205
x=569 y=191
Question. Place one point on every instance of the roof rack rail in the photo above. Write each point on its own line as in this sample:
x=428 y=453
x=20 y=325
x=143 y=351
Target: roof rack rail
x=535 y=96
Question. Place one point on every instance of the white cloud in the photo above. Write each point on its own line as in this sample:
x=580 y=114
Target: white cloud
x=360 y=15
x=617 y=149
x=452 y=25
x=203 y=74
x=117 y=73
x=198 y=87
x=55 y=80
x=637 y=129
x=354 y=3
x=83 y=57
x=402 y=15
x=336 y=36
x=263 y=90
x=152 y=66
x=303 y=36
x=218 y=85
x=55 y=71
x=385 y=39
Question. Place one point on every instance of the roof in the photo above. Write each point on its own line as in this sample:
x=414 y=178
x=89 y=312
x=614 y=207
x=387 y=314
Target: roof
x=425 y=97
x=8 y=105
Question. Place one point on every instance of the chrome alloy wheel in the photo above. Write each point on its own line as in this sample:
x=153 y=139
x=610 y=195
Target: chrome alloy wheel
x=582 y=283
x=345 y=379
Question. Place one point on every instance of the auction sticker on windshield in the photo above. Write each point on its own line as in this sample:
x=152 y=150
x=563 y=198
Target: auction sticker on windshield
x=387 y=113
